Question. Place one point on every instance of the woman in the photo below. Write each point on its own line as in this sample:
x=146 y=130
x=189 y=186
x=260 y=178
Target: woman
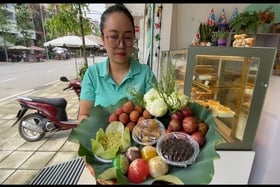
x=106 y=82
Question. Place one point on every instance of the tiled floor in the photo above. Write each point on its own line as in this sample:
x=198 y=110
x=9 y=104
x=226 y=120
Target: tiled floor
x=20 y=160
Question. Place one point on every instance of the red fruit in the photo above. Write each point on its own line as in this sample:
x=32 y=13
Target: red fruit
x=190 y=124
x=124 y=118
x=186 y=112
x=198 y=136
x=203 y=128
x=119 y=111
x=128 y=107
x=174 y=125
x=138 y=170
x=177 y=115
x=113 y=117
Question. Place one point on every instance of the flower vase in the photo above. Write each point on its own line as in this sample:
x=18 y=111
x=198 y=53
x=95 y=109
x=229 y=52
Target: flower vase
x=222 y=42
x=260 y=28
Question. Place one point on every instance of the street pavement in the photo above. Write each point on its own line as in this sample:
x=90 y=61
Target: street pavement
x=20 y=160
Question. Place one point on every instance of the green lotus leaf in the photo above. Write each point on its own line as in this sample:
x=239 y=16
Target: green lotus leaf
x=201 y=172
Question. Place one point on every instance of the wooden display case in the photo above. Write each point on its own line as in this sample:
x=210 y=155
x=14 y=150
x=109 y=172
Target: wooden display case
x=232 y=82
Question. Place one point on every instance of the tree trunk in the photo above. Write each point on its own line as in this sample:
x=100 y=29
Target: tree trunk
x=83 y=37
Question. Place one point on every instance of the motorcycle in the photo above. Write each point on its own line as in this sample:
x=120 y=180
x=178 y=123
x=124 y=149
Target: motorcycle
x=50 y=114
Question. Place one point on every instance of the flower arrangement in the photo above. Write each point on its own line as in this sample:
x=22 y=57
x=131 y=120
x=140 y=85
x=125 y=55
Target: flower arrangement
x=266 y=16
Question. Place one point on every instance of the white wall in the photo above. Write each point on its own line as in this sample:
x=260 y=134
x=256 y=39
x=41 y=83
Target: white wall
x=185 y=21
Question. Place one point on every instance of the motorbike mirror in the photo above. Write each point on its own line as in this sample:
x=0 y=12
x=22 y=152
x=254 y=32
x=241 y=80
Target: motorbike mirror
x=64 y=79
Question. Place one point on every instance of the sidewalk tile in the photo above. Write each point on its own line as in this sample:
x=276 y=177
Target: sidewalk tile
x=15 y=159
x=53 y=144
x=5 y=173
x=62 y=157
x=21 y=177
x=70 y=146
x=38 y=160
x=12 y=143
x=32 y=146
x=4 y=154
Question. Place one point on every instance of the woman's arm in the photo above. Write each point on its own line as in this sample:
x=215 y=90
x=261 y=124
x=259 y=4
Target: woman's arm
x=85 y=107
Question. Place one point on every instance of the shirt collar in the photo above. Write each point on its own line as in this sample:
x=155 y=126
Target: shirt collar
x=133 y=69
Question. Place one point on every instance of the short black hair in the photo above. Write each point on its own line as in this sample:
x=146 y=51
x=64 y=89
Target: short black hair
x=115 y=8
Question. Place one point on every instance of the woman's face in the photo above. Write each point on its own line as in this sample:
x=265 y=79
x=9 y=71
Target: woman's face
x=118 y=37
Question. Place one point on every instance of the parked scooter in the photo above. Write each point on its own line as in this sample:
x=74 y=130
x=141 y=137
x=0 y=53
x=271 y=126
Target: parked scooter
x=50 y=114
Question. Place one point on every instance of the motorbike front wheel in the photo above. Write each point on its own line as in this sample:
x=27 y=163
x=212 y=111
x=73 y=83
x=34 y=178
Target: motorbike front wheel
x=29 y=126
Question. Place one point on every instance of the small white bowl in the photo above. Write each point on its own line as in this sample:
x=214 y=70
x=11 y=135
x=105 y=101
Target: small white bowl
x=103 y=160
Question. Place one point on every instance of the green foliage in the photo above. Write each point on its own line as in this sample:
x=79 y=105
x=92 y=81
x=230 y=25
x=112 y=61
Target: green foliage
x=24 y=23
x=245 y=22
x=4 y=22
x=82 y=71
x=67 y=20
x=205 y=32
x=222 y=34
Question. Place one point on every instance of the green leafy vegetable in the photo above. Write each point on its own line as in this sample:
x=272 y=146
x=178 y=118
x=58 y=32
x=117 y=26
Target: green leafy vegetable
x=116 y=138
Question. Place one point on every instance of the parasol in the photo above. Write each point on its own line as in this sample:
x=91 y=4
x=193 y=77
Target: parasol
x=19 y=47
x=70 y=41
x=36 y=48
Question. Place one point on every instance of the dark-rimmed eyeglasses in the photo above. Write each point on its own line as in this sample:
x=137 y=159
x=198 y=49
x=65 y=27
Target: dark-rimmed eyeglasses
x=114 y=40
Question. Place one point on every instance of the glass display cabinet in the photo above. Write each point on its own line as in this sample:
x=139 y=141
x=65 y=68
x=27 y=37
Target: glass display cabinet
x=179 y=59
x=232 y=83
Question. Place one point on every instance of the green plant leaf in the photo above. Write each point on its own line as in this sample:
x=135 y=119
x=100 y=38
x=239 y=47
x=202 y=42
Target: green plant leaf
x=201 y=172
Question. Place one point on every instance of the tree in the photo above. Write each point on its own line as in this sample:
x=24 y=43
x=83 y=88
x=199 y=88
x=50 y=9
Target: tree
x=69 y=19
x=24 y=21
x=4 y=27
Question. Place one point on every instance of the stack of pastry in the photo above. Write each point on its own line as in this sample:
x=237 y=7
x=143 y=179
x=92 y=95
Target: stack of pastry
x=242 y=40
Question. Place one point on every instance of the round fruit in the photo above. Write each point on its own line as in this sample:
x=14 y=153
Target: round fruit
x=119 y=111
x=113 y=117
x=130 y=125
x=139 y=109
x=121 y=163
x=147 y=114
x=134 y=115
x=198 y=136
x=203 y=128
x=174 y=125
x=138 y=170
x=190 y=124
x=132 y=153
x=124 y=118
x=157 y=167
x=128 y=107
x=148 y=152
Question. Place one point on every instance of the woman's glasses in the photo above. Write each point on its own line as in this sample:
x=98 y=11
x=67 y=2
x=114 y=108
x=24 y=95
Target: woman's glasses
x=114 y=40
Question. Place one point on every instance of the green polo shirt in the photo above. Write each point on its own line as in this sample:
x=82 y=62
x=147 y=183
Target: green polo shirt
x=99 y=87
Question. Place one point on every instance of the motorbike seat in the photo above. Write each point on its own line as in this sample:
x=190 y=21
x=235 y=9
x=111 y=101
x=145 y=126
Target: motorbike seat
x=58 y=102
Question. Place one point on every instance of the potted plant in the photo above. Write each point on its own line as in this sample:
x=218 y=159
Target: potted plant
x=222 y=36
x=245 y=23
x=205 y=33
